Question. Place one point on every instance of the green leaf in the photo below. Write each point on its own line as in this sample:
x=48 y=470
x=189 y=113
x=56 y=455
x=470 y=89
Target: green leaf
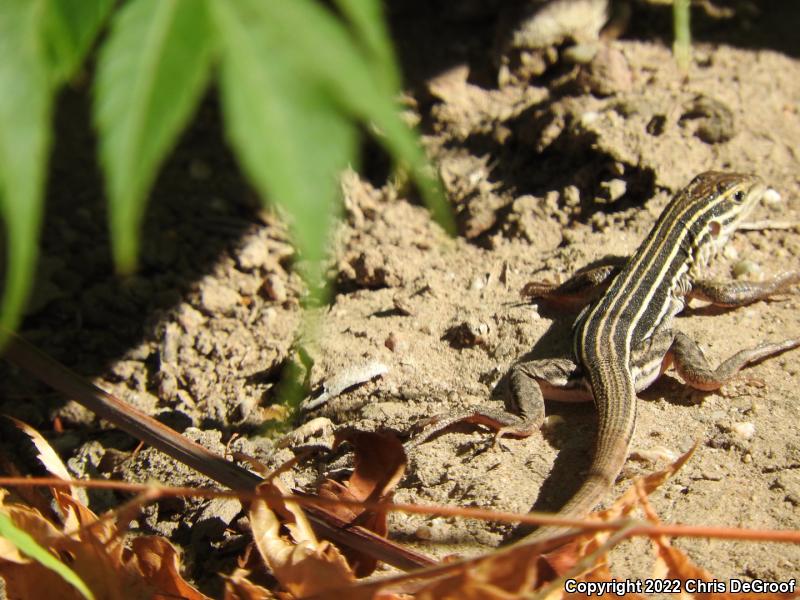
x=323 y=51
x=25 y=111
x=151 y=75
x=289 y=135
x=29 y=546
x=366 y=16
x=70 y=28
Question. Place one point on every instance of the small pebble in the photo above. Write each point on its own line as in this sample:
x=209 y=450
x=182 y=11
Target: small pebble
x=581 y=53
x=656 y=454
x=395 y=343
x=589 y=117
x=479 y=282
x=616 y=188
x=712 y=476
x=571 y=196
x=730 y=252
x=274 y=288
x=745 y=430
x=254 y=254
x=772 y=199
x=403 y=306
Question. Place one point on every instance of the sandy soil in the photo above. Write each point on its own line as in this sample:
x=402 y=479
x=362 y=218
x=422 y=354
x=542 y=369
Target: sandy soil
x=544 y=175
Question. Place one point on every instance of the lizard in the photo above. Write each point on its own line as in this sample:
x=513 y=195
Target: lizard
x=624 y=339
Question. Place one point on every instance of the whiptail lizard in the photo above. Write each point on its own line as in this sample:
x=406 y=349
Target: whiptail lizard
x=624 y=340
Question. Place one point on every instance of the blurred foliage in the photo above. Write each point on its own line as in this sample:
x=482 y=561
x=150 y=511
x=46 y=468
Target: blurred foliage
x=297 y=82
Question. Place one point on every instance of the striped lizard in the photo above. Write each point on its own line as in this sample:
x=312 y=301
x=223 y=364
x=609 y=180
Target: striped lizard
x=624 y=340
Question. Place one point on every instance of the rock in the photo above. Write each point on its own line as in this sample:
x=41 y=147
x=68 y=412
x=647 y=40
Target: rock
x=255 y=254
x=216 y=298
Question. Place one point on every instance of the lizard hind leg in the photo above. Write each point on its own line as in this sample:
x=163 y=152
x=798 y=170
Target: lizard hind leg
x=533 y=382
x=530 y=383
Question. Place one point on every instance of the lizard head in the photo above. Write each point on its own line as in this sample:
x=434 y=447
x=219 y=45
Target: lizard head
x=712 y=206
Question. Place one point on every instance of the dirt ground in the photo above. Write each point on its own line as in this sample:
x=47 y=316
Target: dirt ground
x=545 y=173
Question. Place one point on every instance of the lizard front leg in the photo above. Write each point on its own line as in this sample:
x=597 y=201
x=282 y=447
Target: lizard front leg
x=583 y=286
x=667 y=348
x=740 y=293
x=692 y=365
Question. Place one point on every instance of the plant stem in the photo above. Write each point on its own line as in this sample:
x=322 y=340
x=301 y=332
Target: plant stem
x=682 y=46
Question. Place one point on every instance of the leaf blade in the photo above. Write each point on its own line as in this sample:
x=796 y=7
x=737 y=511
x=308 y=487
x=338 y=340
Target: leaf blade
x=303 y=27
x=25 y=112
x=290 y=138
x=366 y=17
x=70 y=28
x=151 y=75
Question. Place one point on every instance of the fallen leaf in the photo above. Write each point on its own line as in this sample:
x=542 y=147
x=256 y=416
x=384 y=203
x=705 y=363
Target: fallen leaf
x=380 y=463
x=522 y=570
x=157 y=561
x=672 y=564
x=94 y=549
x=303 y=565
x=49 y=457
x=237 y=587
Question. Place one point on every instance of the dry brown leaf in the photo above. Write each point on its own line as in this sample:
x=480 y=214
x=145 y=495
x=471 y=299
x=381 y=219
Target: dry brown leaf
x=367 y=593
x=35 y=581
x=303 y=565
x=292 y=515
x=238 y=587
x=31 y=579
x=28 y=520
x=631 y=499
x=380 y=463
x=523 y=570
x=673 y=564
x=563 y=560
x=94 y=550
x=157 y=561
x=48 y=456
x=80 y=523
x=504 y=575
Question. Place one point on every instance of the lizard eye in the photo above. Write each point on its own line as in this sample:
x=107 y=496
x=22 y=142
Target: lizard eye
x=738 y=196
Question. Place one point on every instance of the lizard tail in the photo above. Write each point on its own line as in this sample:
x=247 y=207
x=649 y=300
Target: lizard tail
x=615 y=430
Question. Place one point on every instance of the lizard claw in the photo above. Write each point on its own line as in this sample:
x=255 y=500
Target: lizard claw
x=497 y=442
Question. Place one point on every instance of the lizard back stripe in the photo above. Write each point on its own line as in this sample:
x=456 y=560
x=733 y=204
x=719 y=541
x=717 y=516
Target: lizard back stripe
x=641 y=294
